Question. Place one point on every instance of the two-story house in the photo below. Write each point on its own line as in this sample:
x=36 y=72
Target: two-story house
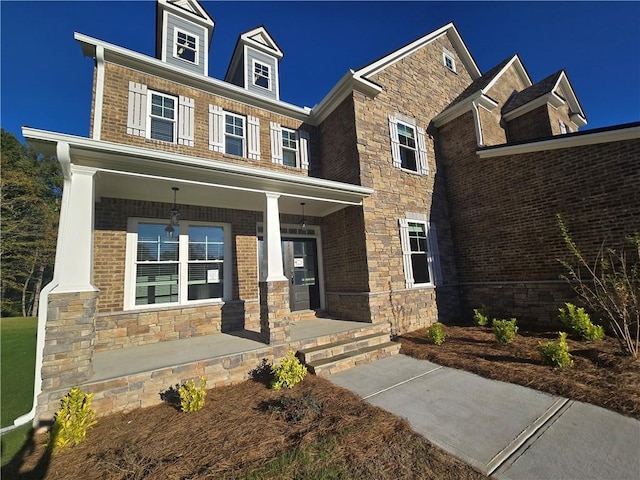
x=202 y=206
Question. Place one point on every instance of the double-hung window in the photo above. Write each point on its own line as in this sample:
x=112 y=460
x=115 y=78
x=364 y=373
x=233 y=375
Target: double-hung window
x=448 y=60
x=186 y=46
x=189 y=266
x=162 y=117
x=408 y=144
x=234 y=134
x=289 y=148
x=420 y=252
x=261 y=75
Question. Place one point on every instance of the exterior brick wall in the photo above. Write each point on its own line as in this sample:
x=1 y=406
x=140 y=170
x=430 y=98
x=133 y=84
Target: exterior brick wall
x=114 y=121
x=531 y=125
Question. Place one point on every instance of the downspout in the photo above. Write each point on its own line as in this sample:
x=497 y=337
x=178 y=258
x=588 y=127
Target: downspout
x=64 y=158
x=99 y=100
x=476 y=122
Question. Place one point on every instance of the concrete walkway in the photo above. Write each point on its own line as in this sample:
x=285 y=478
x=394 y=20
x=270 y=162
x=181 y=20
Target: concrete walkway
x=503 y=430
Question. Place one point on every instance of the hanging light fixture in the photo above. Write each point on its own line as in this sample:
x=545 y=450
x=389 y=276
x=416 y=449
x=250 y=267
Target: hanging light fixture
x=303 y=222
x=174 y=215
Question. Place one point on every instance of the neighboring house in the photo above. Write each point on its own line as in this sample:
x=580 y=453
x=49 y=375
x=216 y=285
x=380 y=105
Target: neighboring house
x=199 y=206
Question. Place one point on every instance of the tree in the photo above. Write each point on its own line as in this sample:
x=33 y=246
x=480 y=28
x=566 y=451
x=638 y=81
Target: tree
x=31 y=186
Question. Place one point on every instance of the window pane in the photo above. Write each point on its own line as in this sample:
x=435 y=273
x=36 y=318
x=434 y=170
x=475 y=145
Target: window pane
x=205 y=281
x=154 y=245
x=419 y=266
x=161 y=130
x=206 y=243
x=234 y=146
x=408 y=159
x=289 y=158
x=156 y=283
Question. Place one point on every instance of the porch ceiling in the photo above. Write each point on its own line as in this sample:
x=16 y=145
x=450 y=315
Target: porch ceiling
x=142 y=174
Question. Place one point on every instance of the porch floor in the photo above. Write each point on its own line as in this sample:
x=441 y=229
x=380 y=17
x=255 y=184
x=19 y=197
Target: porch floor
x=144 y=358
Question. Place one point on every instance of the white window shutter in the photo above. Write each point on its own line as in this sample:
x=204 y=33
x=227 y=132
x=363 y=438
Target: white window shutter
x=563 y=127
x=276 y=143
x=433 y=256
x=137 y=109
x=395 y=141
x=253 y=137
x=216 y=129
x=303 y=149
x=406 y=252
x=185 y=120
x=422 y=151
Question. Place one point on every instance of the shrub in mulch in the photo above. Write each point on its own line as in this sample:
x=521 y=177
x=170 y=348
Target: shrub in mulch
x=601 y=375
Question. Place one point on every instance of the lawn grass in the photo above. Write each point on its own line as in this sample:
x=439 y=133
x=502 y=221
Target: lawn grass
x=17 y=366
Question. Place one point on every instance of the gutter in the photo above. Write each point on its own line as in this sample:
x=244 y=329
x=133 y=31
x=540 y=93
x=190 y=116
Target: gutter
x=64 y=157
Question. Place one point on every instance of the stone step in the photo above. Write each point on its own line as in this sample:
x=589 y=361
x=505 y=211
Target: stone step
x=322 y=352
x=353 y=358
x=302 y=315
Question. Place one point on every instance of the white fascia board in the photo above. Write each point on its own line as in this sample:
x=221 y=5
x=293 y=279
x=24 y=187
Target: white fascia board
x=547 y=99
x=470 y=103
x=401 y=53
x=564 y=141
x=113 y=152
x=349 y=82
x=153 y=66
x=517 y=64
x=572 y=100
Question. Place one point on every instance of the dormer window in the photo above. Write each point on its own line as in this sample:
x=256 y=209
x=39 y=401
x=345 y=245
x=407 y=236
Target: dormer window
x=162 y=117
x=448 y=60
x=261 y=75
x=186 y=46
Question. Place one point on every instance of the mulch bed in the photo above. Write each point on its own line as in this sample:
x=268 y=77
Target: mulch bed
x=239 y=432
x=601 y=375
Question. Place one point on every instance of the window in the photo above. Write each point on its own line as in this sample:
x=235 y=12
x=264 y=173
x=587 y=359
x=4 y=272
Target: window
x=408 y=151
x=289 y=148
x=234 y=134
x=187 y=267
x=448 y=60
x=261 y=76
x=408 y=144
x=420 y=252
x=186 y=46
x=563 y=127
x=162 y=117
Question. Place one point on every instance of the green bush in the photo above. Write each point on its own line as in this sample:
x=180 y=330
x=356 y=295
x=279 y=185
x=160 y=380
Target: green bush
x=288 y=372
x=580 y=323
x=435 y=334
x=73 y=420
x=295 y=410
x=505 y=330
x=192 y=397
x=481 y=316
x=556 y=353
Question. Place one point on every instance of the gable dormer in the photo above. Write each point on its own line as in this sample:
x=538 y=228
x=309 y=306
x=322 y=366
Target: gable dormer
x=183 y=34
x=254 y=64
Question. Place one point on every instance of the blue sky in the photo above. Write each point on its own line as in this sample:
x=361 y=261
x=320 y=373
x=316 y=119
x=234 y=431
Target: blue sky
x=46 y=82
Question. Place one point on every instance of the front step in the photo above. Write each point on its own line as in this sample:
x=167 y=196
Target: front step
x=345 y=354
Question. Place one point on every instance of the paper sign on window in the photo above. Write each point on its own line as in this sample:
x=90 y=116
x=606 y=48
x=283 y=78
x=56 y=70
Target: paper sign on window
x=213 y=276
x=298 y=262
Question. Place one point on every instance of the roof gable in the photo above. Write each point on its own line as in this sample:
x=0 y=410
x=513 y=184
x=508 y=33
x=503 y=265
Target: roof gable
x=259 y=38
x=188 y=8
x=391 y=58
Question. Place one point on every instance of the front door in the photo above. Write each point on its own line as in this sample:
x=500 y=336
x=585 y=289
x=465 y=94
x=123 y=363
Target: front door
x=301 y=267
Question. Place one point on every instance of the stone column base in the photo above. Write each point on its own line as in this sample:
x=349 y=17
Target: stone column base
x=274 y=312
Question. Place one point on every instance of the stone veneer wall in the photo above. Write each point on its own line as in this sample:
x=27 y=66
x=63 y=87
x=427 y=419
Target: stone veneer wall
x=69 y=344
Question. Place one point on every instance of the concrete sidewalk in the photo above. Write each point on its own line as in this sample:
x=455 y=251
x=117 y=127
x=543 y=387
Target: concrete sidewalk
x=503 y=430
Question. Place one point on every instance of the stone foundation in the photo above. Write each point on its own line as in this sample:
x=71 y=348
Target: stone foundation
x=274 y=312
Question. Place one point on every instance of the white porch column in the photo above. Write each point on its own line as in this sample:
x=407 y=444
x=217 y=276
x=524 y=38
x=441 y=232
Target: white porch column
x=74 y=260
x=272 y=241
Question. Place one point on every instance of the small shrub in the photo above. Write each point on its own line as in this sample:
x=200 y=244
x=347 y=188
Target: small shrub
x=556 y=353
x=580 y=323
x=73 y=420
x=481 y=316
x=192 y=397
x=294 y=410
x=505 y=330
x=288 y=372
x=435 y=334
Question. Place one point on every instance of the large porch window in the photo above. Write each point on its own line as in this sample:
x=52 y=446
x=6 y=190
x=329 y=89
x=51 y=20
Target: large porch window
x=190 y=266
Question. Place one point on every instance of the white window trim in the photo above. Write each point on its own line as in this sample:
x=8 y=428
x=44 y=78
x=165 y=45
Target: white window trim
x=176 y=106
x=183 y=264
x=422 y=164
x=253 y=75
x=297 y=149
x=447 y=55
x=175 y=46
x=563 y=127
x=432 y=254
x=244 y=133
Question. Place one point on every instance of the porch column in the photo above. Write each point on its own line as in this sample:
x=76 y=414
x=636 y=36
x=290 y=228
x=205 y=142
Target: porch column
x=272 y=240
x=274 y=292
